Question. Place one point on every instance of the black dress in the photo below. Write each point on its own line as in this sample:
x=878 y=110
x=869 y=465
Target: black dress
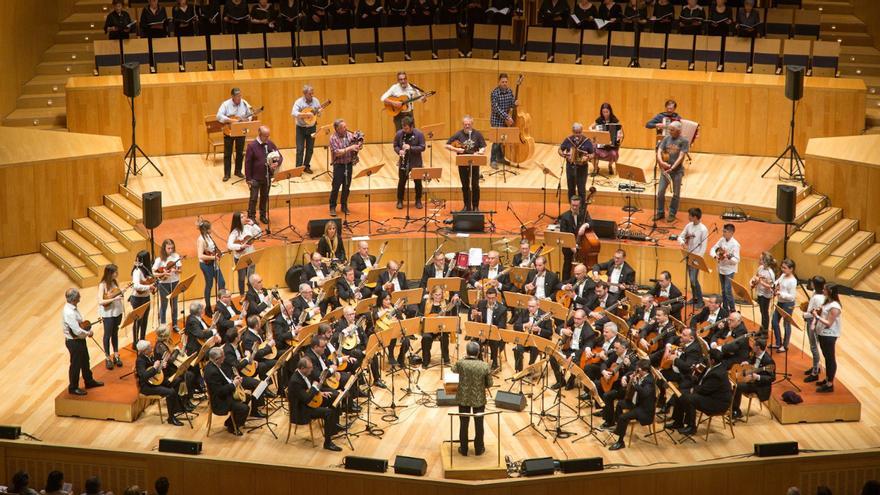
x=210 y=20
x=663 y=17
x=451 y=11
x=185 y=21
x=690 y=21
x=260 y=14
x=235 y=17
x=475 y=12
x=369 y=14
x=748 y=24
x=120 y=22
x=554 y=14
x=395 y=11
x=342 y=14
x=586 y=16
x=613 y=12
x=719 y=22
x=633 y=19
x=154 y=24
x=288 y=12
x=317 y=12
x=421 y=12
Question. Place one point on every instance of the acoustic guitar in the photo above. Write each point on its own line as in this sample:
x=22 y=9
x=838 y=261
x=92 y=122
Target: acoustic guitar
x=404 y=102
x=310 y=115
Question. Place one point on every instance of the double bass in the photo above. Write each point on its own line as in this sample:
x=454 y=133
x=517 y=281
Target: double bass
x=523 y=148
x=588 y=245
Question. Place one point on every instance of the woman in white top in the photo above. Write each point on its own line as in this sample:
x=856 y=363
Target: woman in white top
x=110 y=310
x=816 y=302
x=142 y=287
x=167 y=266
x=829 y=320
x=209 y=262
x=763 y=284
x=242 y=228
x=786 y=286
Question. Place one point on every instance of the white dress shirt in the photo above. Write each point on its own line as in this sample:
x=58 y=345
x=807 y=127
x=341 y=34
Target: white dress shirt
x=727 y=266
x=229 y=109
x=699 y=234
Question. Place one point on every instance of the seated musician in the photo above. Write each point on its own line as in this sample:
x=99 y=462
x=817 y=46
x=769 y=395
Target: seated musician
x=323 y=358
x=620 y=362
x=436 y=305
x=146 y=367
x=621 y=275
x=348 y=325
x=711 y=395
x=640 y=405
x=335 y=355
x=665 y=290
x=314 y=273
x=731 y=339
x=392 y=279
x=523 y=257
x=530 y=321
x=601 y=298
x=491 y=272
x=683 y=357
x=347 y=290
x=234 y=360
x=301 y=389
x=654 y=336
x=361 y=261
x=330 y=244
x=196 y=329
x=384 y=310
x=259 y=300
x=577 y=335
x=251 y=337
x=574 y=221
x=711 y=314
x=577 y=150
x=224 y=306
x=164 y=345
x=541 y=282
x=221 y=383
x=284 y=326
x=643 y=314
x=436 y=269
x=305 y=306
x=492 y=312
x=760 y=381
x=610 y=335
x=580 y=287
x=607 y=121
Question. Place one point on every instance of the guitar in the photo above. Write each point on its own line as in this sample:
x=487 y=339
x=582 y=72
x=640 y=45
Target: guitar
x=318 y=399
x=653 y=337
x=310 y=116
x=404 y=101
x=350 y=338
x=607 y=383
x=252 y=112
x=739 y=372
x=250 y=369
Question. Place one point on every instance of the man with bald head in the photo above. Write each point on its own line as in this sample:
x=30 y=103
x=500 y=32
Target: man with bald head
x=261 y=161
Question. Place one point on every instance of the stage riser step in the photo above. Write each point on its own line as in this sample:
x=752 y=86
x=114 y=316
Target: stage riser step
x=858 y=39
x=131 y=196
x=46 y=84
x=814 y=227
x=43 y=100
x=859 y=69
x=807 y=207
x=845 y=254
x=864 y=265
x=77 y=36
x=83 y=249
x=120 y=205
x=30 y=117
x=69 y=264
x=74 y=55
x=73 y=67
x=117 y=226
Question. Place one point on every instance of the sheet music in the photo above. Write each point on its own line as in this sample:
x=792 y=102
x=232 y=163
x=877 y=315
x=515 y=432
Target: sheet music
x=574 y=18
x=600 y=23
x=653 y=18
x=258 y=392
x=503 y=11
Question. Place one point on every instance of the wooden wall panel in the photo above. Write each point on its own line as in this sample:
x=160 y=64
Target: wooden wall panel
x=850 y=186
x=739 y=113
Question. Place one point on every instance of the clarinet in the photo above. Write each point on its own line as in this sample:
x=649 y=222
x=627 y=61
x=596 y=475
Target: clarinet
x=404 y=160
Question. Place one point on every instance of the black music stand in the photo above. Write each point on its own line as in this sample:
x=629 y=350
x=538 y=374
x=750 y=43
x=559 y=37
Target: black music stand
x=288 y=175
x=503 y=136
x=368 y=173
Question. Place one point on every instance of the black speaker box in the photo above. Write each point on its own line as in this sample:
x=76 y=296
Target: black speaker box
x=510 y=401
x=445 y=400
x=584 y=465
x=776 y=449
x=316 y=227
x=180 y=446
x=131 y=79
x=10 y=432
x=366 y=464
x=786 y=197
x=794 y=82
x=468 y=222
x=604 y=229
x=413 y=466
x=539 y=466
x=151 y=203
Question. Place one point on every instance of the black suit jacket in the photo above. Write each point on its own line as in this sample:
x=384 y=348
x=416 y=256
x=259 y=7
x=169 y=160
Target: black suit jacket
x=546 y=326
x=584 y=291
x=703 y=316
x=738 y=350
x=308 y=273
x=144 y=368
x=715 y=387
x=299 y=394
x=674 y=293
x=551 y=282
x=645 y=399
x=343 y=290
x=324 y=248
x=568 y=222
x=691 y=355
x=224 y=310
x=429 y=272
x=194 y=331
x=357 y=262
x=639 y=315
x=230 y=360
x=764 y=382
x=627 y=273
x=499 y=314
x=221 y=390
x=384 y=278
x=281 y=332
x=299 y=305
x=592 y=301
x=483 y=273
x=248 y=339
x=316 y=365
x=255 y=306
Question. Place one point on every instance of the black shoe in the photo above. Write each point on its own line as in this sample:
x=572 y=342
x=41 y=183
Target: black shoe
x=689 y=431
x=617 y=445
x=658 y=216
x=584 y=396
x=258 y=414
x=94 y=384
x=332 y=447
x=393 y=363
x=345 y=210
x=264 y=220
x=445 y=361
x=811 y=378
x=239 y=175
x=225 y=178
x=825 y=389
x=821 y=383
x=424 y=365
x=235 y=432
x=307 y=170
x=479 y=450
x=339 y=427
x=174 y=421
x=664 y=409
x=463 y=451
x=419 y=205
x=355 y=408
x=78 y=391
x=118 y=361
x=332 y=212
x=108 y=363
x=380 y=384
x=673 y=426
x=569 y=386
x=556 y=386
x=270 y=394
x=808 y=372
x=598 y=412
x=399 y=205
x=737 y=414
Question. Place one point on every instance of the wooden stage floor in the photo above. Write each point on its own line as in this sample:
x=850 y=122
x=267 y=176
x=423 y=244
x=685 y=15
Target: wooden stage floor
x=34 y=367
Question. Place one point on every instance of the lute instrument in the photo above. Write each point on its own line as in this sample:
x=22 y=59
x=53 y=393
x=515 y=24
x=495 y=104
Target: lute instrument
x=310 y=116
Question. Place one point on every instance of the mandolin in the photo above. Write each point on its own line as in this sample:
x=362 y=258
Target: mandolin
x=522 y=150
x=367 y=271
x=159 y=377
x=404 y=102
x=252 y=112
x=588 y=244
x=250 y=369
x=310 y=116
x=318 y=399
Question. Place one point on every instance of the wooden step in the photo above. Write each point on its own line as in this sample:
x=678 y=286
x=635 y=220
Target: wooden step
x=69 y=263
x=109 y=245
x=116 y=225
x=810 y=230
x=829 y=6
x=84 y=21
x=130 y=195
x=807 y=207
x=872 y=117
x=859 y=69
x=867 y=54
x=845 y=253
x=41 y=100
x=861 y=266
x=120 y=205
x=855 y=39
x=831 y=238
x=91 y=6
x=64 y=52
x=46 y=84
x=29 y=117
x=84 y=249
x=842 y=23
x=72 y=67
x=79 y=36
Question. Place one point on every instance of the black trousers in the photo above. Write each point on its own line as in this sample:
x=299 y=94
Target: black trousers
x=172 y=401
x=745 y=388
x=686 y=407
x=624 y=417
x=567 y=259
x=610 y=399
x=259 y=190
x=576 y=177
x=79 y=363
x=401 y=355
x=111 y=333
x=330 y=416
x=464 y=422
x=341 y=179
x=518 y=353
x=402 y=176
x=428 y=342
x=227 y=154
x=398 y=119
x=470 y=187
x=240 y=412
x=764 y=304
x=827 y=344
x=139 y=327
x=305 y=145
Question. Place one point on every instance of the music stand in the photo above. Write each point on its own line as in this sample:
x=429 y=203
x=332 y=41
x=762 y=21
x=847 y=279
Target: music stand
x=288 y=175
x=470 y=161
x=365 y=305
x=334 y=315
x=132 y=316
x=560 y=240
x=344 y=394
x=368 y=173
x=181 y=288
x=558 y=311
x=744 y=296
x=429 y=131
x=515 y=300
x=503 y=136
x=546 y=171
x=322 y=136
x=786 y=316
x=247 y=260
x=449 y=284
x=328 y=288
x=633 y=174
x=412 y=296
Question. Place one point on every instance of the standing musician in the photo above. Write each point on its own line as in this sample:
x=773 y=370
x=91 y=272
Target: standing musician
x=577 y=335
x=465 y=142
x=523 y=257
x=250 y=337
x=474 y=378
x=361 y=261
x=235 y=109
x=301 y=389
x=259 y=300
x=243 y=231
x=344 y=146
x=382 y=309
x=828 y=321
x=502 y=101
x=347 y=288
x=305 y=133
x=436 y=304
x=760 y=381
x=209 y=17
x=491 y=271
x=314 y=273
x=234 y=360
x=75 y=341
x=694 y=238
x=541 y=282
x=402 y=88
x=438 y=268
x=621 y=361
x=330 y=244
x=209 y=262
x=817 y=300
x=711 y=395
x=674 y=147
x=712 y=313
x=493 y=312
x=527 y=322
x=142 y=288
x=665 y=290
x=786 y=296
x=607 y=121
x=118 y=23
x=762 y=282
x=726 y=251
x=222 y=384
x=305 y=301
x=593 y=368
x=639 y=406
x=578 y=153
x=575 y=221
x=409 y=143
x=580 y=287
x=621 y=275
x=661 y=121
x=146 y=367
x=262 y=159
x=110 y=307
x=168 y=265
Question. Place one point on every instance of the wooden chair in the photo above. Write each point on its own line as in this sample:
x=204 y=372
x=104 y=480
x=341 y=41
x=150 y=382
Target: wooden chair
x=151 y=399
x=752 y=396
x=214 y=131
x=650 y=427
x=726 y=416
x=211 y=416
x=290 y=425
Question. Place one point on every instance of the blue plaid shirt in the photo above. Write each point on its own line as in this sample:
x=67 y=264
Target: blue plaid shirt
x=502 y=101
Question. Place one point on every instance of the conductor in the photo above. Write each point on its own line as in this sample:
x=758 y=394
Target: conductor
x=474 y=377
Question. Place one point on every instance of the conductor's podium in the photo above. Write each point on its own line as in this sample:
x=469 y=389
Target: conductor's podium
x=489 y=466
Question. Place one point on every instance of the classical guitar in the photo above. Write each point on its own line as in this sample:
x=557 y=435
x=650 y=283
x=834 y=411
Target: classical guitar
x=404 y=102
